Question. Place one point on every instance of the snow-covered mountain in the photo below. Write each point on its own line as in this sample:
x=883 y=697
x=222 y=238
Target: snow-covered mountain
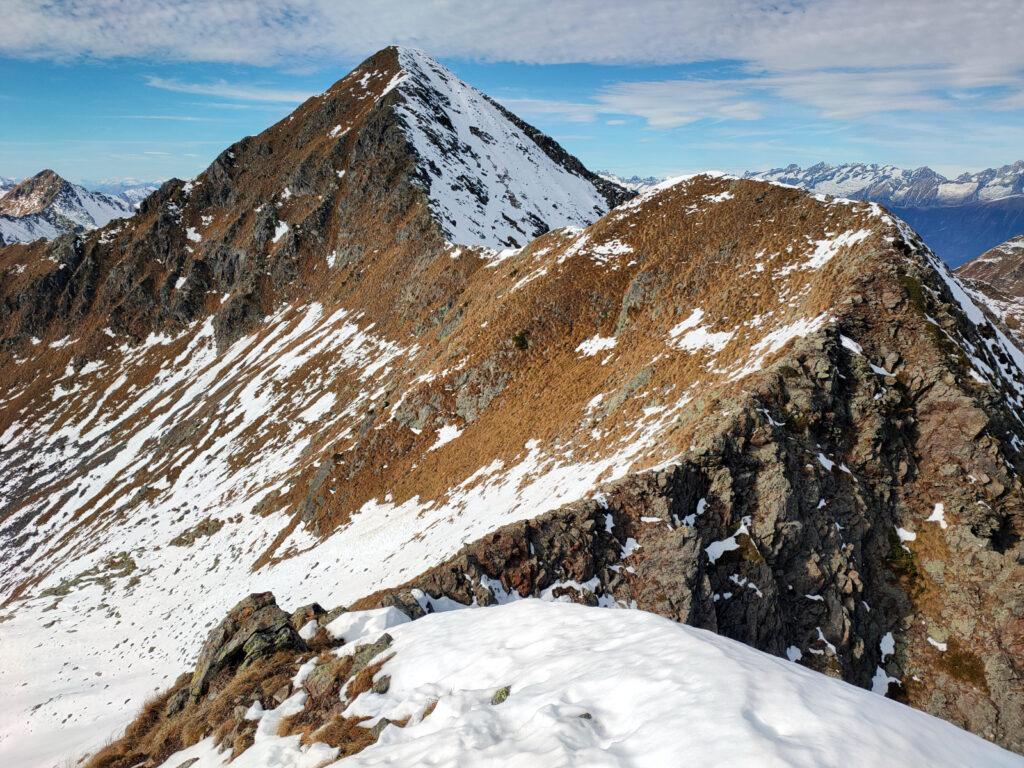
x=958 y=218
x=132 y=191
x=634 y=183
x=46 y=205
x=919 y=187
x=492 y=179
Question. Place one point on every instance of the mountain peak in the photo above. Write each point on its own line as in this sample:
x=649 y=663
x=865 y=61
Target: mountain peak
x=32 y=195
x=492 y=179
x=46 y=205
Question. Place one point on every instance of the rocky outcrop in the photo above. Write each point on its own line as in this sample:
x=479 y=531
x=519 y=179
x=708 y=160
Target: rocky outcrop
x=765 y=539
x=252 y=662
x=254 y=629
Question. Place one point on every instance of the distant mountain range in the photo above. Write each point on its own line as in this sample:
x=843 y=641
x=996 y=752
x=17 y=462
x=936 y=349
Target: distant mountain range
x=134 y=191
x=959 y=218
x=633 y=183
x=920 y=187
x=47 y=205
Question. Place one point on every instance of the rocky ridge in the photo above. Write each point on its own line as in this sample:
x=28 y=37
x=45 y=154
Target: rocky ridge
x=819 y=456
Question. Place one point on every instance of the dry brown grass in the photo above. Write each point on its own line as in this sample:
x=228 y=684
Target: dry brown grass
x=322 y=706
x=152 y=737
x=344 y=733
x=363 y=681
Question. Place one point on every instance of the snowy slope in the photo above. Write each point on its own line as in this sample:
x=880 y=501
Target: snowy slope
x=676 y=696
x=25 y=229
x=996 y=279
x=47 y=205
x=489 y=182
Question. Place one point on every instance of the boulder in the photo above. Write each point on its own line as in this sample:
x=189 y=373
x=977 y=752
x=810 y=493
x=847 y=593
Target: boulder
x=255 y=628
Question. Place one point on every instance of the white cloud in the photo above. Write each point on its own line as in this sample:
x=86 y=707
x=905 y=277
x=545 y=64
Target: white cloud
x=978 y=42
x=225 y=90
x=662 y=104
x=831 y=93
x=841 y=57
x=572 y=111
x=671 y=103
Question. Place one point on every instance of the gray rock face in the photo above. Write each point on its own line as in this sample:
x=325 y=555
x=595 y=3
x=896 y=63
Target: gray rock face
x=254 y=628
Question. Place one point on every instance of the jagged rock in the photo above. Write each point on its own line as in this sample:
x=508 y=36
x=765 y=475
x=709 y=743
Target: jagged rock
x=332 y=614
x=379 y=727
x=254 y=628
x=177 y=702
x=282 y=693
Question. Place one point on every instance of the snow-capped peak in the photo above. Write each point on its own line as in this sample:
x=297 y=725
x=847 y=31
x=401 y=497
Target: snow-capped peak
x=900 y=186
x=492 y=179
x=46 y=205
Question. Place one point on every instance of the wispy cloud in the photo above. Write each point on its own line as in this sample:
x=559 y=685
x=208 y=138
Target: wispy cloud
x=225 y=90
x=842 y=57
x=571 y=111
x=832 y=94
x=672 y=103
x=662 y=104
x=175 y=118
x=979 y=42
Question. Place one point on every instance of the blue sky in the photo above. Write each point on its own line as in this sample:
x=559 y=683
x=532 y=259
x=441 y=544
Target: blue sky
x=149 y=90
